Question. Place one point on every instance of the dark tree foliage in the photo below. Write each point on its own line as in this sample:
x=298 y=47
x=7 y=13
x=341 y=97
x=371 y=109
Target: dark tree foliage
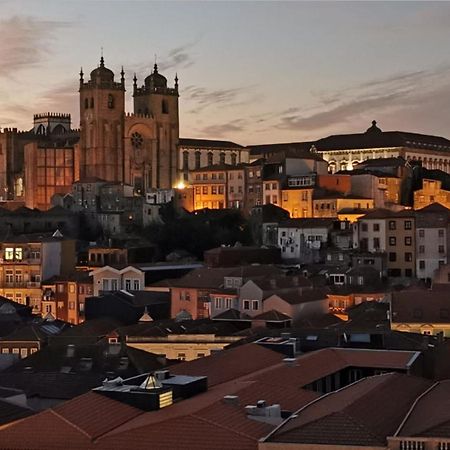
x=198 y=231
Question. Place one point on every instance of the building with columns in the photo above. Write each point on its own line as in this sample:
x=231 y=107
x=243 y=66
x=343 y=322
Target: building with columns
x=345 y=151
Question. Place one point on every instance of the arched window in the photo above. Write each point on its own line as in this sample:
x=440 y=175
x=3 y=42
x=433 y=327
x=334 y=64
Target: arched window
x=92 y=102
x=332 y=167
x=343 y=165
x=222 y=158
x=185 y=160
x=197 y=160
x=165 y=107
x=233 y=159
x=110 y=101
x=59 y=129
x=210 y=158
x=86 y=103
x=355 y=163
x=40 y=129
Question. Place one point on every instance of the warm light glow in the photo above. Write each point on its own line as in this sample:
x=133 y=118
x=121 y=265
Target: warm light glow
x=180 y=185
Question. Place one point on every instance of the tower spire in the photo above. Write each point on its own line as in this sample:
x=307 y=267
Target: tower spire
x=102 y=60
x=155 y=66
x=81 y=76
x=122 y=77
x=176 y=81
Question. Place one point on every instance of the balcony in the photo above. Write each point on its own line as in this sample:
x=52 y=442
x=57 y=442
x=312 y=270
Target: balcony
x=21 y=284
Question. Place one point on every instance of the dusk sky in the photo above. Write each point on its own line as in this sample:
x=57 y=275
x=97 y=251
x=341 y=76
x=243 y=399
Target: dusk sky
x=250 y=72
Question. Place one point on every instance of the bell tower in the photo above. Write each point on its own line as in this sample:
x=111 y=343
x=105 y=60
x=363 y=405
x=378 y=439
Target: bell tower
x=102 y=110
x=156 y=100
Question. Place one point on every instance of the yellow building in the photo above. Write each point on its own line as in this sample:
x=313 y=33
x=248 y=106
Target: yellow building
x=298 y=202
x=185 y=347
x=329 y=204
x=210 y=187
x=431 y=192
x=26 y=261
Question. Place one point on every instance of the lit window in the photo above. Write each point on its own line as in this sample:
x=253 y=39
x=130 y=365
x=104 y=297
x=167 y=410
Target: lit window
x=18 y=254
x=9 y=253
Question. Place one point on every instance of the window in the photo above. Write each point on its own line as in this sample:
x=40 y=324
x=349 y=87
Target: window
x=181 y=356
x=441 y=249
x=222 y=158
x=9 y=276
x=255 y=305
x=9 y=253
x=376 y=227
x=408 y=257
x=421 y=233
x=198 y=190
x=364 y=227
x=392 y=256
x=210 y=158
x=92 y=102
x=136 y=285
x=421 y=248
x=197 y=160
x=376 y=242
x=408 y=240
x=110 y=101
x=127 y=284
x=421 y=264
x=185 y=160
x=71 y=305
x=408 y=224
x=205 y=190
x=392 y=225
x=164 y=107
x=214 y=190
x=18 y=252
x=233 y=159
x=392 y=240
x=246 y=304
x=408 y=272
x=441 y=233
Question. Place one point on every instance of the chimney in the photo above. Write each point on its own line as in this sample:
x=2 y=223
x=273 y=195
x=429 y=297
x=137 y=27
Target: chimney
x=290 y=362
x=70 y=351
x=231 y=400
x=263 y=413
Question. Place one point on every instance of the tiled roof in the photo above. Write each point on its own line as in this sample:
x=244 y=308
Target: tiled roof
x=10 y=412
x=362 y=414
x=273 y=284
x=245 y=359
x=295 y=297
x=419 y=305
x=207 y=143
x=272 y=316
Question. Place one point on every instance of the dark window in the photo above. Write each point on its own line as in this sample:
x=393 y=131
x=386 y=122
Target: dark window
x=376 y=227
x=392 y=240
x=408 y=272
x=441 y=233
x=165 y=107
x=247 y=304
x=233 y=159
x=92 y=102
x=422 y=265
x=441 y=249
x=110 y=101
x=185 y=160
x=364 y=227
x=408 y=224
x=222 y=158
x=392 y=257
x=392 y=225
x=408 y=257
x=86 y=103
x=210 y=158
x=408 y=240
x=376 y=243
x=421 y=233
x=197 y=160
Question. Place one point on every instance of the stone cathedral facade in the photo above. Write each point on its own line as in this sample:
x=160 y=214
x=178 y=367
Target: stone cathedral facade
x=139 y=148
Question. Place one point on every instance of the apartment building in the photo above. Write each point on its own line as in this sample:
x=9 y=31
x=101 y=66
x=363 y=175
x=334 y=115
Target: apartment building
x=391 y=232
x=27 y=260
x=432 y=240
x=64 y=298
x=328 y=203
x=210 y=187
x=431 y=192
x=109 y=279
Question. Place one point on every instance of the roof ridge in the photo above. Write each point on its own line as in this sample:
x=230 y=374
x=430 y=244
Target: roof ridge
x=60 y=416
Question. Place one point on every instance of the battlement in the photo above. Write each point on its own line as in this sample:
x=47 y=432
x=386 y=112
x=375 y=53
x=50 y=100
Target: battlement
x=109 y=85
x=141 y=116
x=52 y=115
x=155 y=90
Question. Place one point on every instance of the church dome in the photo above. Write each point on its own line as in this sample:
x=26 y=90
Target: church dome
x=102 y=73
x=155 y=79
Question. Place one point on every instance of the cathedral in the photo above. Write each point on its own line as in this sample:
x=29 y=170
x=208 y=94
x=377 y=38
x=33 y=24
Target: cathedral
x=138 y=149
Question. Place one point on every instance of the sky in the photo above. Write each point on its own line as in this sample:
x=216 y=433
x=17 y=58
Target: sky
x=249 y=72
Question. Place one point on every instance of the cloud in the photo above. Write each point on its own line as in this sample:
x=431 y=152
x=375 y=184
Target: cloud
x=379 y=97
x=224 y=129
x=25 y=43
